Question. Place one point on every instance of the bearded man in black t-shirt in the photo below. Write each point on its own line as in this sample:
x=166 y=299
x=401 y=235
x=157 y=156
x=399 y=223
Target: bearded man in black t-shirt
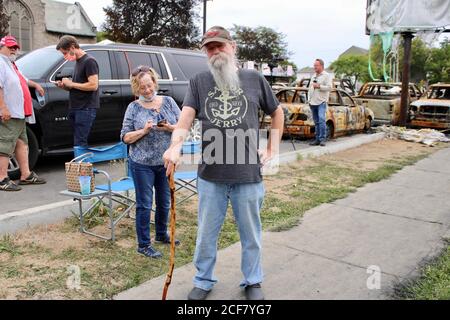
x=227 y=102
x=84 y=99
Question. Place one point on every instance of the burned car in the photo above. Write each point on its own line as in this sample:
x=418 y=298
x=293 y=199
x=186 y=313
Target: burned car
x=433 y=110
x=384 y=100
x=344 y=84
x=343 y=116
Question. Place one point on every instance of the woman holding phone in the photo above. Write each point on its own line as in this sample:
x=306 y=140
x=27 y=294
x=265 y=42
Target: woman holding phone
x=147 y=128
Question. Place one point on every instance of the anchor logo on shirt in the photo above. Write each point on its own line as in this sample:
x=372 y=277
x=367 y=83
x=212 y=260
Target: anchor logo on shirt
x=226 y=108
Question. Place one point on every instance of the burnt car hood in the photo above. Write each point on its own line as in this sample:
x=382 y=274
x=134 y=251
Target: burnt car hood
x=431 y=102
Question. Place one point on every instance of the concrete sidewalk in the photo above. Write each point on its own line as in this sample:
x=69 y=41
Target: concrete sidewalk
x=394 y=225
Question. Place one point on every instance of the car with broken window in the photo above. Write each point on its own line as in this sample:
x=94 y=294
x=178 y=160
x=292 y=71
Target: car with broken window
x=384 y=100
x=344 y=116
x=432 y=110
x=344 y=84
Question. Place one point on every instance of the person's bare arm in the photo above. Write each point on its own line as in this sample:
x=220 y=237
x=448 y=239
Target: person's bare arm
x=91 y=85
x=132 y=137
x=172 y=155
x=38 y=87
x=276 y=132
x=4 y=111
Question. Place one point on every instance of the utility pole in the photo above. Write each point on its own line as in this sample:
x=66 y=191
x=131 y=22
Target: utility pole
x=407 y=40
x=205 y=5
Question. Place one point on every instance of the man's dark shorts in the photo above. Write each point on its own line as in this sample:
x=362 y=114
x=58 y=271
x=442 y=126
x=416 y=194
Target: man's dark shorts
x=10 y=132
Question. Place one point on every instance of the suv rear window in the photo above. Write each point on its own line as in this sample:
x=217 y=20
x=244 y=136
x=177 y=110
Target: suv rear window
x=104 y=64
x=153 y=60
x=191 y=64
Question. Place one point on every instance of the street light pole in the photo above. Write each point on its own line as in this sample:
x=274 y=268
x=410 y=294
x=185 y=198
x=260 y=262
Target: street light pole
x=205 y=2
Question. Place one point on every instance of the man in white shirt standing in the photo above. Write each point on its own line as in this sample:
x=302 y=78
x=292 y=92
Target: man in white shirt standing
x=319 y=93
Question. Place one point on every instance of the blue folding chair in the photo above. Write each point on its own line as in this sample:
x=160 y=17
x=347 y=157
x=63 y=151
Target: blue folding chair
x=187 y=180
x=113 y=191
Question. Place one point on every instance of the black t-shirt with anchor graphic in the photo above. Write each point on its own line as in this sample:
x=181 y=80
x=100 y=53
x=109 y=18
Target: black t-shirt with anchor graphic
x=230 y=124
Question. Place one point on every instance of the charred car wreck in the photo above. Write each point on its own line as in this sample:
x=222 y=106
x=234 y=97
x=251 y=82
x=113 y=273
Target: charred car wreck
x=384 y=100
x=433 y=110
x=343 y=115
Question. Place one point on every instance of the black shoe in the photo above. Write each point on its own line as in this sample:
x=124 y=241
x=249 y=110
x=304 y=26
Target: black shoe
x=33 y=178
x=198 y=294
x=315 y=143
x=8 y=185
x=323 y=144
x=150 y=252
x=166 y=240
x=254 y=292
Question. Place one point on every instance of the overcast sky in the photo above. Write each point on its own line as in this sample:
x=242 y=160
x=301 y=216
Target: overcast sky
x=313 y=28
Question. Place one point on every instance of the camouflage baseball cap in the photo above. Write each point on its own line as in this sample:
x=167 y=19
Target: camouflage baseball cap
x=216 y=34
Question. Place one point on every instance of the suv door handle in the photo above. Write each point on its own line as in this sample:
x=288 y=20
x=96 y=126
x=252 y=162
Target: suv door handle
x=163 y=90
x=110 y=92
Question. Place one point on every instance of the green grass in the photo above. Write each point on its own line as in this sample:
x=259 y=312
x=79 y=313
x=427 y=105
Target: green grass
x=8 y=245
x=433 y=284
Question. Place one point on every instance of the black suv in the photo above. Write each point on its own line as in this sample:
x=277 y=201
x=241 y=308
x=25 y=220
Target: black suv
x=52 y=133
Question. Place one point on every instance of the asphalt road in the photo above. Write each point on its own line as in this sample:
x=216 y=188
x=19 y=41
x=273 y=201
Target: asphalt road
x=52 y=169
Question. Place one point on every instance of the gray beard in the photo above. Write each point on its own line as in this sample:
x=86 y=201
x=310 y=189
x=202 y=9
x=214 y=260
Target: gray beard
x=223 y=69
x=12 y=58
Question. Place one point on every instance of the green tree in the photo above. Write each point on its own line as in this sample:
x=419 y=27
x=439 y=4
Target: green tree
x=4 y=20
x=169 y=23
x=438 y=63
x=259 y=44
x=352 y=66
x=420 y=53
x=102 y=35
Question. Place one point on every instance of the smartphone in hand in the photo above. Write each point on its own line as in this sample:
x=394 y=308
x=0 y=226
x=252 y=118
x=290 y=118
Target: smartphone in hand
x=162 y=123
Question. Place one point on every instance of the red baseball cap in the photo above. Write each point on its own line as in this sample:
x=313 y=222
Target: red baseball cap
x=10 y=42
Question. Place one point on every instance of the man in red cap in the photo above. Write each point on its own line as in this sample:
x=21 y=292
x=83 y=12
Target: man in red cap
x=15 y=107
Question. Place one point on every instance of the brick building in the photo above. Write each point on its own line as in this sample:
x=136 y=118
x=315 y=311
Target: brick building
x=40 y=23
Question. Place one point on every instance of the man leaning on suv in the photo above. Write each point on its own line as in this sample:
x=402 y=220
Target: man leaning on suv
x=84 y=99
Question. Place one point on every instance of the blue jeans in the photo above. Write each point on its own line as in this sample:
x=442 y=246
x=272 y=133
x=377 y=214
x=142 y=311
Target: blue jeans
x=319 y=117
x=145 y=179
x=81 y=121
x=246 y=201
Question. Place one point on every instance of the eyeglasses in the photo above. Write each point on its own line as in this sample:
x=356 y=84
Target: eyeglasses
x=140 y=69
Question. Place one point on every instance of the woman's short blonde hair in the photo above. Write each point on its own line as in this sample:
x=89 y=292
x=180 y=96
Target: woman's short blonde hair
x=135 y=80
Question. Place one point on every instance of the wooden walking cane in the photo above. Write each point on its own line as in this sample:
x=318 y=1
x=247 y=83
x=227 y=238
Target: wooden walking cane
x=173 y=217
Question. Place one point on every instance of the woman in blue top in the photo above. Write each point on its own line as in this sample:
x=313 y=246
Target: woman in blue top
x=147 y=128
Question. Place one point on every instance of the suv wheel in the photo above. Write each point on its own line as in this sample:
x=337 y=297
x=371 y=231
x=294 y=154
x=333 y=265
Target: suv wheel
x=33 y=154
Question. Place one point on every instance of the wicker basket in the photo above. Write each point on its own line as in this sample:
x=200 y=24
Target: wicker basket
x=77 y=168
